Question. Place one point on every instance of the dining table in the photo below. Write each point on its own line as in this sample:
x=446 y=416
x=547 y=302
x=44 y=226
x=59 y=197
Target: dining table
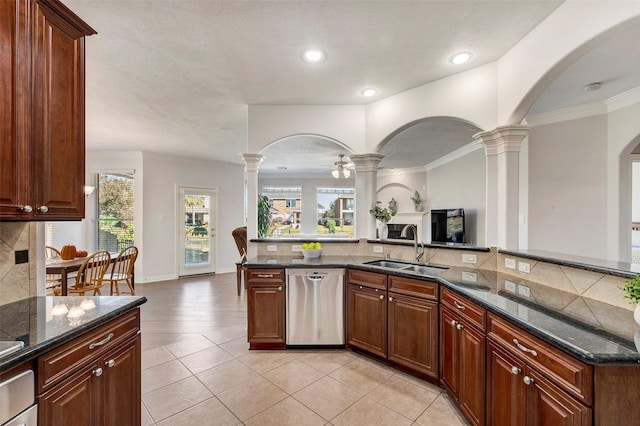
x=63 y=268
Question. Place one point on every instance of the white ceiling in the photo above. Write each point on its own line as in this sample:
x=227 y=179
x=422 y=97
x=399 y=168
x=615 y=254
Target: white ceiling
x=176 y=77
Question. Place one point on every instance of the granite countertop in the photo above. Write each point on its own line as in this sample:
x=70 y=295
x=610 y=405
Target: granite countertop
x=32 y=322
x=538 y=314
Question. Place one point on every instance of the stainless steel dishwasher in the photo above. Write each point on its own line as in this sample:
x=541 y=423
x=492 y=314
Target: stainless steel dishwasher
x=315 y=307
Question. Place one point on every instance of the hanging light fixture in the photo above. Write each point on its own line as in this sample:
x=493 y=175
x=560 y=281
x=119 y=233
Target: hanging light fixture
x=341 y=168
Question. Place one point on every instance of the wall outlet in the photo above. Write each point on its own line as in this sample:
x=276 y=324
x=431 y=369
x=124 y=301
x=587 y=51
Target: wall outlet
x=272 y=247
x=524 y=290
x=22 y=256
x=510 y=286
x=469 y=258
x=524 y=267
x=378 y=249
x=272 y=261
x=296 y=248
x=470 y=277
x=509 y=263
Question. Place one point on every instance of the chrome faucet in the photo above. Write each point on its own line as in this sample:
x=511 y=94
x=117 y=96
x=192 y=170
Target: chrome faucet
x=417 y=255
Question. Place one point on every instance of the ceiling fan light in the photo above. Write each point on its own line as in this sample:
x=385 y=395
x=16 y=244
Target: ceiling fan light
x=346 y=173
x=335 y=173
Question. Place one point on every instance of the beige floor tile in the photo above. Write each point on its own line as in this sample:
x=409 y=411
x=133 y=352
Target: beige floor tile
x=173 y=398
x=147 y=420
x=237 y=347
x=227 y=334
x=403 y=397
x=154 y=340
x=226 y=376
x=288 y=412
x=325 y=361
x=327 y=397
x=367 y=412
x=361 y=376
x=208 y=413
x=263 y=361
x=156 y=356
x=187 y=347
x=252 y=397
x=293 y=376
x=442 y=413
x=161 y=375
x=206 y=359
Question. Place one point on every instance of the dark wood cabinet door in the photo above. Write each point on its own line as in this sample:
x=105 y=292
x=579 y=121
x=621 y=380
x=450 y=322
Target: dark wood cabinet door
x=505 y=390
x=266 y=316
x=58 y=129
x=549 y=405
x=122 y=389
x=413 y=333
x=472 y=373
x=450 y=353
x=75 y=402
x=367 y=319
x=14 y=83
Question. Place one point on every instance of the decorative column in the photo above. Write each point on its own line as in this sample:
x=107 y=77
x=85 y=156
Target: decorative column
x=366 y=167
x=251 y=165
x=502 y=150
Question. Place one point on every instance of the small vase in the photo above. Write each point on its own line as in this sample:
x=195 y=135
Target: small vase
x=383 y=231
x=636 y=314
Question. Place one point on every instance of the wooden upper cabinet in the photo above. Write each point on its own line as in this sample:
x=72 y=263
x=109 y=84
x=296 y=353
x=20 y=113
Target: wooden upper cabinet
x=42 y=110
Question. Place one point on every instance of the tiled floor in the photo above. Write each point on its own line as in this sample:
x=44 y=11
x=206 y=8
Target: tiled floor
x=197 y=370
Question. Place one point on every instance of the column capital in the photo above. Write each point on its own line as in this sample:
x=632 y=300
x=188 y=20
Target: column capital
x=503 y=139
x=251 y=161
x=366 y=162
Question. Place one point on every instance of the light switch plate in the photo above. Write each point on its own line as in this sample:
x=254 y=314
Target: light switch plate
x=524 y=267
x=272 y=247
x=378 y=249
x=469 y=258
x=509 y=263
x=296 y=248
x=524 y=290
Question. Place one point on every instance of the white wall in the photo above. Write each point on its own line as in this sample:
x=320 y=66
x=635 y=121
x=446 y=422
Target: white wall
x=161 y=176
x=401 y=185
x=461 y=183
x=567 y=187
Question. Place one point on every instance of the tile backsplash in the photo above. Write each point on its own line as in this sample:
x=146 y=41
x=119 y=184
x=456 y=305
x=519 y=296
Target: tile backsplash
x=17 y=281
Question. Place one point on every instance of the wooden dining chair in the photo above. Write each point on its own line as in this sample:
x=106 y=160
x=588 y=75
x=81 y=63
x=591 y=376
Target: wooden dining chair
x=240 y=237
x=91 y=274
x=53 y=282
x=123 y=270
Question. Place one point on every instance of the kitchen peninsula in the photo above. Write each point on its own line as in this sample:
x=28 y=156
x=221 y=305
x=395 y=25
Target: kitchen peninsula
x=487 y=337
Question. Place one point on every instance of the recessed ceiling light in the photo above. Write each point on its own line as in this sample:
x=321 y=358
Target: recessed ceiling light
x=460 y=58
x=314 y=56
x=591 y=87
x=369 y=92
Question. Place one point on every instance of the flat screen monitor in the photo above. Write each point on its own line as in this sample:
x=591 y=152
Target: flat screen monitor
x=447 y=226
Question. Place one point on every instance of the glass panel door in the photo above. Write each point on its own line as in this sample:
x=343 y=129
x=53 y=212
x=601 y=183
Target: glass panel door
x=196 y=234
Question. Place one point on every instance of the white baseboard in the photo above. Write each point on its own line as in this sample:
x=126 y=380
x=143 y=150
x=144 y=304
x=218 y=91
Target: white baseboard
x=156 y=278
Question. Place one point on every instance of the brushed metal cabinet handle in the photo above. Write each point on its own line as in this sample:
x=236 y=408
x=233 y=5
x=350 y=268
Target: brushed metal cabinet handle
x=101 y=342
x=459 y=306
x=523 y=348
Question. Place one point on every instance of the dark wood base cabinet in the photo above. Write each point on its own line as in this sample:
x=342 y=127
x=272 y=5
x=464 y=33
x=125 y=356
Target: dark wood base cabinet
x=266 y=308
x=94 y=379
x=367 y=319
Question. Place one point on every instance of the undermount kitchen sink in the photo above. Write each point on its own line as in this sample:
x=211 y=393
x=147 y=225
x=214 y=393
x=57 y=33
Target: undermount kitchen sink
x=409 y=267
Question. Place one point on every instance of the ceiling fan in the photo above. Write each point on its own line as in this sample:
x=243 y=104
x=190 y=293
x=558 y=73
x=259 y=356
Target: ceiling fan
x=342 y=167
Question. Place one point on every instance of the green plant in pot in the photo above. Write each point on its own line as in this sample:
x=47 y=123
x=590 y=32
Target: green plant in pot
x=632 y=293
x=383 y=214
x=417 y=201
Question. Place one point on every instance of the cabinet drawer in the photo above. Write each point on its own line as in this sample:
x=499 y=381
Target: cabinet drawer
x=61 y=362
x=468 y=310
x=369 y=279
x=411 y=287
x=264 y=275
x=567 y=372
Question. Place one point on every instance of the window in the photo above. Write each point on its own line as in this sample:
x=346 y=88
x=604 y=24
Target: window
x=290 y=203
x=114 y=228
x=285 y=204
x=336 y=210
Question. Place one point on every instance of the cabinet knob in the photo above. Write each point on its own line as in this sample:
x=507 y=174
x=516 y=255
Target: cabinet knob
x=454 y=322
x=43 y=209
x=360 y=287
x=97 y=372
x=515 y=370
x=390 y=299
x=26 y=209
x=381 y=297
x=280 y=288
x=527 y=380
x=459 y=326
x=110 y=363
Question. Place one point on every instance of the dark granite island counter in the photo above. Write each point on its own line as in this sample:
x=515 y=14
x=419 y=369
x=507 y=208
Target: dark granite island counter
x=33 y=322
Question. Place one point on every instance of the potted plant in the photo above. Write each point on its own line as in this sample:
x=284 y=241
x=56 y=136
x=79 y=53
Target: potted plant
x=417 y=201
x=383 y=215
x=632 y=293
